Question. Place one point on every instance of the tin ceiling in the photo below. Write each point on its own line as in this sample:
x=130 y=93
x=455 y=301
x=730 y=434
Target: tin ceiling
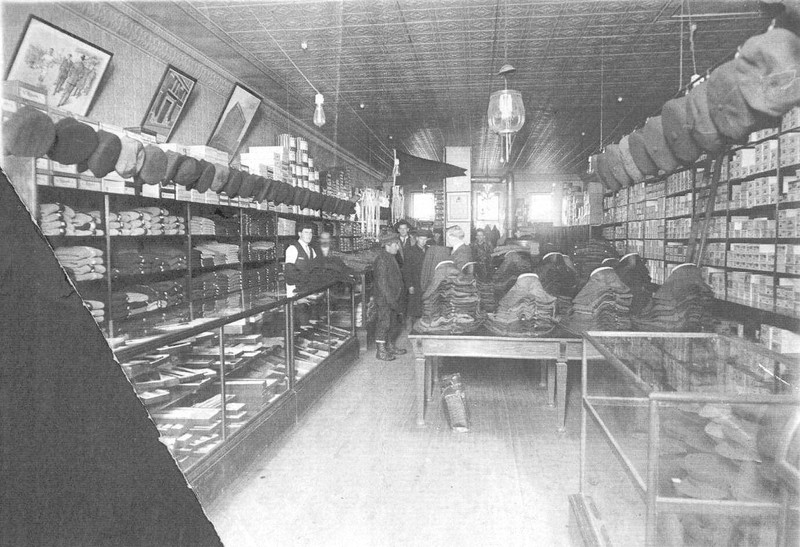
x=424 y=69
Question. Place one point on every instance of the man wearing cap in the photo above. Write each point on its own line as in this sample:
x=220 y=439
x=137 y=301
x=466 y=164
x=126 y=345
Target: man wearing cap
x=406 y=241
x=412 y=273
x=482 y=252
x=298 y=257
x=388 y=295
x=461 y=254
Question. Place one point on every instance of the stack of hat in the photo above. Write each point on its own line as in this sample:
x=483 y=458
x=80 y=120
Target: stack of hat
x=266 y=277
x=603 y=303
x=450 y=304
x=527 y=310
x=83 y=263
x=58 y=219
x=632 y=270
x=560 y=280
x=589 y=255
x=682 y=304
x=515 y=263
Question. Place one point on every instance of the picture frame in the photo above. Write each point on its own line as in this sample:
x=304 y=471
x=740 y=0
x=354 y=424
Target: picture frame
x=458 y=207
x=235 y=120
x=168 y=102
x=67 y=68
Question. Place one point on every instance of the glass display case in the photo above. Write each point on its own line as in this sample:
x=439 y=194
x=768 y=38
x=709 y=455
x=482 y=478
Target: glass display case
x=685 y=441
x=252 y=349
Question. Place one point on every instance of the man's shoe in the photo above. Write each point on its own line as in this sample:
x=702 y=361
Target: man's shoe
x=381 y=354
x=394 y=350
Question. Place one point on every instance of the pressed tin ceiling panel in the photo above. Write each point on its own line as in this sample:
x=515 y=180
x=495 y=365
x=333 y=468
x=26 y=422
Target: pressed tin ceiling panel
x=425 y=68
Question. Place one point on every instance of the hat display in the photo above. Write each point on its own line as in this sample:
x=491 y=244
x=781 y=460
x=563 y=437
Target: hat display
x=154 y=167
x=131 y=158
x=729 y=110
x=615 y=164
x=174 y=161
x=388 y=237
x=206 y=176
x=234 y=182
x=327 y=202
x=315 y=201
x=604 y=172
x=75 y=141
x=627 y=161
x=260 y=189
x=656 y=145
x=188 y=172
x=641 y=157
x=105 y=156
x=221 y=174
x=701 y=126
x=248 y=185
x=677 y=131
x=28 y=132
x=768 y=71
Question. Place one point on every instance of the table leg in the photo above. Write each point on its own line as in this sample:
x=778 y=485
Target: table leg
x=561 y=395
x=542 y=373
x=435 y=374
x=551 y=383
x=419 y=377
x=428 y=382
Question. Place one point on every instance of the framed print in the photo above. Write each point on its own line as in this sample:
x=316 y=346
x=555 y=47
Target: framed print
x=69 y=69
x=168 y=103
x=235 y=120
x=488 y=206
x=458 y=206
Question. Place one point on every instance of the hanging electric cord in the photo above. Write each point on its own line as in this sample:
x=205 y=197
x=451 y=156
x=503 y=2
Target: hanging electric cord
x=680 y=57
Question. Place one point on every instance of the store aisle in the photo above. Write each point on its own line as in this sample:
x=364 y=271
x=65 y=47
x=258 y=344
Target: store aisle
x=358 y=471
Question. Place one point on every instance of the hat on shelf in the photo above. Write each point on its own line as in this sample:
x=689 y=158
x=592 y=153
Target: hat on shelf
x=28 y=132
x=260 y=189
x=206 y=176
x=312 y=200
x=677 y=131
x=627 y=161
x=327 y=203
x=174 y=160
x=388 y=237
x=615 y=164
x=221 y=174
x=641 y=157
x=306 y=198
x=272 y=189
x=234 y=182
x=75 y=142
x=154 y=167
x=284 y=193
x=131 y=158
x=730 y=112
x=349 y=207
x=657 y=147
x=294 y=197
x=318 y=201
x=604 y=172
x=248 y=185
x=768 y=70
x=701 y=126
x=105 y=156
x=189 y=171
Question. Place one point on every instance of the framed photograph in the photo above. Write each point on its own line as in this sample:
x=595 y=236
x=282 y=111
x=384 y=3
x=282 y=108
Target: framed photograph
x=458 y=206
x=235 y=120
x=168 y=103
x=67 y=68
x=488 y=206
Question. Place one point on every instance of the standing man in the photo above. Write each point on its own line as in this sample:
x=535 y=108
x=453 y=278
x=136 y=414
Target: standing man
x=388 y=295
x=298 y=258
x=325 y=243
x=75 y=75
x=403 y=228
x=461 y=253
x=63 y=72
x=482 y=252
x=412 y=273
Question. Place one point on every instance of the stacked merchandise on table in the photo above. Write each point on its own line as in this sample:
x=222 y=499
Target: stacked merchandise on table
x=258 y=251
x=81 y=262
x=589 y=255
x=527 y=310
x=146 y=258
x=151 y=221
x=515 y=263
x=451 y=303
x=634 y=273
x=559 y=279
x=682 y=304
x=214 y=253
x=602 y=304
x=360 y=261
x=266 y=277
x=57 y=219
x=202 y=226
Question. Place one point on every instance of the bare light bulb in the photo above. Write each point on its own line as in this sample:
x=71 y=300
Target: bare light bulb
x=319 y=114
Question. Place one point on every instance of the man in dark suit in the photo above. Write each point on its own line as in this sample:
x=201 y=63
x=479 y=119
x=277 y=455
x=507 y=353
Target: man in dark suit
x=461 y=253
x=406 y=241
x=388 y=295
x=412 y=272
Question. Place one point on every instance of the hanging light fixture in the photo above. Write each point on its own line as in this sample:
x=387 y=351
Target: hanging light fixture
x=319 y=113
x=506 y=111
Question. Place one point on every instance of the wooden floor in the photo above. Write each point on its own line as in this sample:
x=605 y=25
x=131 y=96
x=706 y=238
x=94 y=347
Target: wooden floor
x=358 y=471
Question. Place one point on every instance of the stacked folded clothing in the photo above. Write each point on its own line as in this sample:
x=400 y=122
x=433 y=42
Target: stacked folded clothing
x=97 y=309
x=603 y=303
x=147 y=258
x=57 y=219
x=202 y=226
x=266 y=277
x=224 y=226
x=258 y=251
x=451 y=303
x=214 y=284
x=682 y=304
x=526 y=310
x=559 y=279
x=151 y=221
x=589 y=255
x=514 y=264
x=214 y=253
x=633 y=272
x=486 y=295
x=81 y=262
x=137 y=299
x=257 y=226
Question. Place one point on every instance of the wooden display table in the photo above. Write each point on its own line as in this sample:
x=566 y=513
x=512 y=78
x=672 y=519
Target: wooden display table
x=558 y=348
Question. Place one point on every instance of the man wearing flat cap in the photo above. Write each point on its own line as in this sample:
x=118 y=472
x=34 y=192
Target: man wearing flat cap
x=482 y=253
x=461 y=253
x=412 y=272
x=388 y=295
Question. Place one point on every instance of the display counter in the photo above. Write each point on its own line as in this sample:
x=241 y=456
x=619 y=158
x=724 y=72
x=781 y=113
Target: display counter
x=696 y=423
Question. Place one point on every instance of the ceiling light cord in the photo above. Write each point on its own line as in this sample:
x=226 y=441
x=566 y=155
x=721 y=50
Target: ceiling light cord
x=680 y=59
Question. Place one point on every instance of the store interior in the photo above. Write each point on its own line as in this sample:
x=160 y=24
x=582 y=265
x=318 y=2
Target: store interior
x=616 y=364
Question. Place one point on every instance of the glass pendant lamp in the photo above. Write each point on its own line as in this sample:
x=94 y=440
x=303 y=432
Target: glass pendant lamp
x=506 y=111
x=319 y=113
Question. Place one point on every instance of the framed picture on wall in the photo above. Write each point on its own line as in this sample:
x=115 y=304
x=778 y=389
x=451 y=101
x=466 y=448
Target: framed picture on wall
x=67 y=68
x=458 y=207
x=168 y=103
x=235 y=120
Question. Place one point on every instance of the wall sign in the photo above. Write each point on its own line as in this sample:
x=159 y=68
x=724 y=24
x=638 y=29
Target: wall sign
x=168 y=103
